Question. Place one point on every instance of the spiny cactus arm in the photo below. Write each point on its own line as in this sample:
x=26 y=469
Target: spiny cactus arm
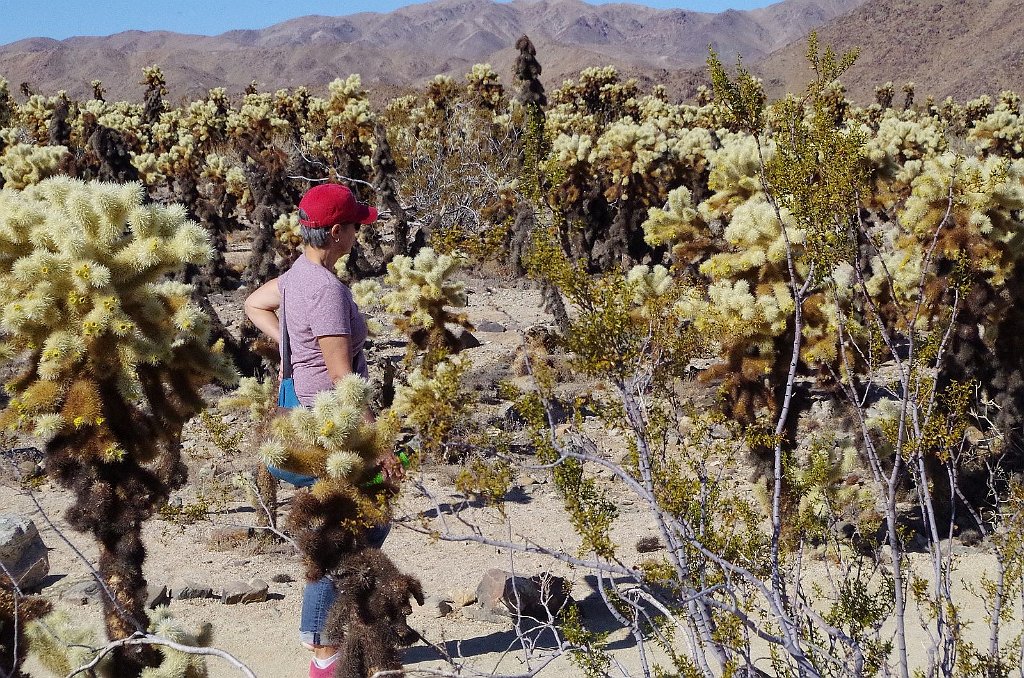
x=61 y=646
x=24 y=164
x=150 y=639
x=331 y=439
x=255 y=397
x=177 y=664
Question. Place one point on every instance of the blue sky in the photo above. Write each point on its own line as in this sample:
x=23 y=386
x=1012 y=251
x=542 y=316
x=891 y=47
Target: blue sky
x=64 y=18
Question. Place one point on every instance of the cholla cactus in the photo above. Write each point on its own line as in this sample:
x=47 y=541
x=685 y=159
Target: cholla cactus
x=115 y=356
x=6 y=105
x=257 y=399
x=422 y=291
x=16 y=612
x=1000 y=133
x=23 y=164
x=484 y=86
x=61 y=647
x=680 y=226
x=286 y=230
x=333 y=442
x=156 y=90
x=434 y=403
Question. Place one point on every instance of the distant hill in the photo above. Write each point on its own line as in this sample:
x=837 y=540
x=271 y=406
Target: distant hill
x=406 y=47
x=960 y=48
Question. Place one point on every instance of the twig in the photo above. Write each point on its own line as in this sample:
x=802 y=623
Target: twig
x=140 y=638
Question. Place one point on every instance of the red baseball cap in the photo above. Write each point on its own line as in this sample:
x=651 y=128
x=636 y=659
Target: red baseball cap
x=325 y=205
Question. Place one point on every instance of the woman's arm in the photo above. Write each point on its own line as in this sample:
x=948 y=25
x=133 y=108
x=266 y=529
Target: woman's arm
x=261 y=308
x=337 y=356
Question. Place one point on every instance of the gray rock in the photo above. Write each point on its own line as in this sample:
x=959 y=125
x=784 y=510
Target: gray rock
x=83 y=593
x=190 y=590
x=481 y=614
x=489 y=326
x=439 y=606
x=257 y=593
x=502 y=593
x=282 y=578
x=233 y=593
x=466 y=338
x=156 y=596
x=22 y=551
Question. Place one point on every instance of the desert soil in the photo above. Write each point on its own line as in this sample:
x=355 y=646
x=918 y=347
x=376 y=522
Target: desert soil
x=264 y=635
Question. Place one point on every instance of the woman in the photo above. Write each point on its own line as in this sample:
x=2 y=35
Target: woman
x=325 y=333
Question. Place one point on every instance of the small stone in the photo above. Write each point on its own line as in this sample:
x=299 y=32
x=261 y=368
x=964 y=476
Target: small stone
x=238 y=562
x=191 y=589
x=257 y=593
x=82 y=593
x=649 y=544
x=466 y=339
x=156 y=596
x=28 y=469
x=970 y=537
x=462 y=597
x=22 y=551
x=233 y=593
x=282 y=578
x=489 y=326
x=438 y=606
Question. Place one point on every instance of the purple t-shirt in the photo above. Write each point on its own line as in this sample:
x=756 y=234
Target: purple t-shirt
x=317 y=304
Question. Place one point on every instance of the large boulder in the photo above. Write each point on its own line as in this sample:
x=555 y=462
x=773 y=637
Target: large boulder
x=22 y=552
x=537 y=597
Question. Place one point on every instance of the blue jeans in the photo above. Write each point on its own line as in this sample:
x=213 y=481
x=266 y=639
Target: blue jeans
x=318 y=597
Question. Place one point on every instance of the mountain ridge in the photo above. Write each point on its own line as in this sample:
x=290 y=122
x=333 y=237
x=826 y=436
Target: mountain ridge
x=406 y=47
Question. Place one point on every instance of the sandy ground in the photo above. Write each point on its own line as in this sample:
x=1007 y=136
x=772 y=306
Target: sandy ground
x=264 y=635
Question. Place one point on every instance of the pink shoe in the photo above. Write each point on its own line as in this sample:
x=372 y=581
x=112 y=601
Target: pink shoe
x=326 y=672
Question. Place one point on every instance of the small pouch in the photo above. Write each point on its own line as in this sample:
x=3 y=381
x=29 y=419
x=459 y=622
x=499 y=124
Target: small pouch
x=286 y=398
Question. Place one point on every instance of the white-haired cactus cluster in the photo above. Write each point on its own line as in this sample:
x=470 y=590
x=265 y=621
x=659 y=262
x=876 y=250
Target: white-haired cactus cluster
x=85 y=296
x=423 y=292
x=24 y=164
x=332 y=440
x=61 y=646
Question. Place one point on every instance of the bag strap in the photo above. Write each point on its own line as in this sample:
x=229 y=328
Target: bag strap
x=286 y=349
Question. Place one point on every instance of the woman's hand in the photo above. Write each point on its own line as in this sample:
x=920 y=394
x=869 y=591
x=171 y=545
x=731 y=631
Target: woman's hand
x=391 y=468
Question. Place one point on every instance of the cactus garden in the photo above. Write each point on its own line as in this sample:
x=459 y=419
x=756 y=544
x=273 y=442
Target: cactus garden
x=718 y=387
